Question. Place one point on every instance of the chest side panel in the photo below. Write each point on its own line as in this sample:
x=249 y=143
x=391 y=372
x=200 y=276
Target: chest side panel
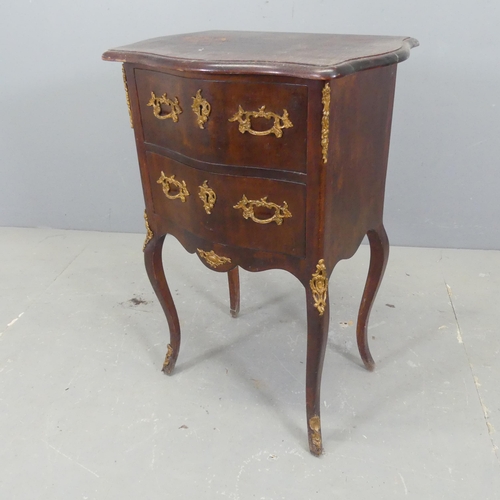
x=360 y=125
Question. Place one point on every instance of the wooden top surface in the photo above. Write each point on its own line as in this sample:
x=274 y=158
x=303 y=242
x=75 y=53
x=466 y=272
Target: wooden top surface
x=317 y=56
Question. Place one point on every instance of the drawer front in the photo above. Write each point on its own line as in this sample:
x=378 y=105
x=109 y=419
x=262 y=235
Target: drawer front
x=248 y=212
x=228 y=124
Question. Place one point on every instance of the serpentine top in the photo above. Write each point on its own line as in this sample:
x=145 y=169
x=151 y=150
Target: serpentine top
x=317 y=56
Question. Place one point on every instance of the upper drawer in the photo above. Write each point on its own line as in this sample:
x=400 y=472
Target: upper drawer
x=227 y=123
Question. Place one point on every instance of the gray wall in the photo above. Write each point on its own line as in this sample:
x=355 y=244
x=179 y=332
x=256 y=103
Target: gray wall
x=67 y=153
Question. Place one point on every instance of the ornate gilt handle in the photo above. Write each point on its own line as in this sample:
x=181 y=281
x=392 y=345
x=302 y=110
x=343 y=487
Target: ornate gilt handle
x=167 y=182
x=156 y=103
x=245 y=124
x=248 y=207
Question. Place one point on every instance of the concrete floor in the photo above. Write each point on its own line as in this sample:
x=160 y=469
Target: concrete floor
x=85 y=412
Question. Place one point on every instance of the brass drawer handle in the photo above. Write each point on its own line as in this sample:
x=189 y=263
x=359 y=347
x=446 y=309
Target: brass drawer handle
x=156 y=102
x=201 y=108
x=212 y=259
x=245 y=123
x=167 y=182
x=248 y=206
x=207 y=196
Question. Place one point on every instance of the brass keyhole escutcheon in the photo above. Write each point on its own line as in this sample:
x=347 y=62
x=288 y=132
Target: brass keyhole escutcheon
x=207 y=196
x=201 y=108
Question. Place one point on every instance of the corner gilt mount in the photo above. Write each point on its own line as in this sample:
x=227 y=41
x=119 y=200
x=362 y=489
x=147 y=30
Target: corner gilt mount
x=319 y=286
x=149 y=233
x=325 y=121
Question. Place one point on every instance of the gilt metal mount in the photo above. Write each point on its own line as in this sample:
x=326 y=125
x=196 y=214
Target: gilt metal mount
x=248 y=208
x=325 y=121
x=212 y=259
x=201 y=108
x=319 y=287
x=156 y=102
x=245 y=124
x=168 y=182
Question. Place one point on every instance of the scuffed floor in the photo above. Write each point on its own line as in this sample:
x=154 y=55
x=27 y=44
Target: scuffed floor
x=86 y=413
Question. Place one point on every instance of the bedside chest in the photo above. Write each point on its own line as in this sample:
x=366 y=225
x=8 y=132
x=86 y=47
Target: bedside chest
x=266 y=150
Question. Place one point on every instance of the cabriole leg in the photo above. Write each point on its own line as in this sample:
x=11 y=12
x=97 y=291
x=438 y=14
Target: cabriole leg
x=379 y=248
x=156 y=274
x=318 y=317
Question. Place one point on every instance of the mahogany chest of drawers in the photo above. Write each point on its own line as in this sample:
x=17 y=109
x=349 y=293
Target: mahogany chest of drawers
x=265 y=150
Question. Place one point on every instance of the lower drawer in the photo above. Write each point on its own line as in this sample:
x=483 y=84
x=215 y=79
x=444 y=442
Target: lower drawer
x=249 y=212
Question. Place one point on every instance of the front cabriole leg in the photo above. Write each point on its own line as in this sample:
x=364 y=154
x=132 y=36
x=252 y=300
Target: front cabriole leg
x=154 y=267
x=318 y=317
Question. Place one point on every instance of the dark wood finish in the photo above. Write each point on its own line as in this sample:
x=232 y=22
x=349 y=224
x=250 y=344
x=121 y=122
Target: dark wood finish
x=156 y=274
x=332 y=204
x=218 y=168
x=379 y=247
x=220 y=140
x=226 y=224
x=360 y=133
x=317 y=336
x=306 y=55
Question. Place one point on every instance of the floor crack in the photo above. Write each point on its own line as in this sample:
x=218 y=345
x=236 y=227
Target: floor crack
x=484 y=409
x=459 y=330
x=66 y=267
